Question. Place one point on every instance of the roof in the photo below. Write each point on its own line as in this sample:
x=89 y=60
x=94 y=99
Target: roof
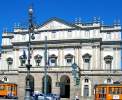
x=108 y=85
x=59 y=20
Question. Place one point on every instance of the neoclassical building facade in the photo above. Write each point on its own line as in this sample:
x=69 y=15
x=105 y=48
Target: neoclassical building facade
x=94 y=47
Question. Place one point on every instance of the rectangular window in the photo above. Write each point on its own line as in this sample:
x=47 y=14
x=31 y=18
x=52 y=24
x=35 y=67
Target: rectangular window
x=52 y=60
x=87 y=33
x=86 y=64
x=53 y=34
x=69 y=60
x=94 y=33
x=69 y=34
x=23 y=37
x=108 y=36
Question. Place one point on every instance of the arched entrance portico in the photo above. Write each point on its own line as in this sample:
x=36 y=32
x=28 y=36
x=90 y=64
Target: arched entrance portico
x=31 y=83
x=49 y=84
x=65 y=86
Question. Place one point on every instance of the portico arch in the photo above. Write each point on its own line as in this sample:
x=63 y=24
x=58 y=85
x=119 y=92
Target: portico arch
x=48 y=85
x=31 y=83
x=65 y=86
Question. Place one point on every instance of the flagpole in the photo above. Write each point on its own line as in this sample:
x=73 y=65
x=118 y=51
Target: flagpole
x=45 y=70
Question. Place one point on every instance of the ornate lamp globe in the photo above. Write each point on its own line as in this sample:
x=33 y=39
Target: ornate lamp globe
x=30 y=10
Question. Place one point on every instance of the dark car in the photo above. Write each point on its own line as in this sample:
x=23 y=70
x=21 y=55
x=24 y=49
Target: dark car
x=41 y=96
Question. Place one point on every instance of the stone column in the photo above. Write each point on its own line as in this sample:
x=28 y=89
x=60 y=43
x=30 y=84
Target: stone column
x=14 y=65
x=80 y=60
x=114 y=61
x=76 y=55
x=21 y=86
x=72 y=88
x=102 y=59
x=17 y=64
x=117 y=59
x=93 y=58
x=55 y=89
x=4 y=62
x=59 y=57
x=98 y=58
x=16 y=58
x=62 y=57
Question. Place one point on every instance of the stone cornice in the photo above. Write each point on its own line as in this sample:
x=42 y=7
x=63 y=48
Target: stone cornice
x=60 y=41
x=119 y=42
x=7 y=47
x=10 y=72
x=8 y=36
x=112 y=30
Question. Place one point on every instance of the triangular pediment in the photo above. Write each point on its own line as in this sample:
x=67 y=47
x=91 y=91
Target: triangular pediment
x=54 y=24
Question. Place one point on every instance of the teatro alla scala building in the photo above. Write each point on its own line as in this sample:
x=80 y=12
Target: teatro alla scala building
x=94 y=47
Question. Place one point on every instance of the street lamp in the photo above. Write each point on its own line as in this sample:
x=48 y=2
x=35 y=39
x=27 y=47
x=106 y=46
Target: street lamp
x=45 y=69
x=31 y=36
x=76 y=73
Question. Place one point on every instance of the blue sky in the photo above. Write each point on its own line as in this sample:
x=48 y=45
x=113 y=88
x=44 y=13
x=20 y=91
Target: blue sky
x=16 y=11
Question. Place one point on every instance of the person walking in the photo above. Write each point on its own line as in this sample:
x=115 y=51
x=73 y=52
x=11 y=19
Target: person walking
x=76 y=98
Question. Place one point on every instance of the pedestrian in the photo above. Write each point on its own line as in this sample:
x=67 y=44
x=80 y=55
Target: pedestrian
x=76 y=98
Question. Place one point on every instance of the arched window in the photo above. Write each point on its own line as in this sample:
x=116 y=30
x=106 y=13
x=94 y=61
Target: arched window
x=38 y=59
x=108 y=60
x=108 y=81
x=69 y=59
x=86 y=80
x=86 y=59
x=5 y=79
x=52 y=60
x=30 y=78
x=86 y=87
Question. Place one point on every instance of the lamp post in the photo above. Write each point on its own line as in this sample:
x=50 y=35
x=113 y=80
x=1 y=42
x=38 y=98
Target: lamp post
x=31 y=36
x=76 y=75
x=45 y=69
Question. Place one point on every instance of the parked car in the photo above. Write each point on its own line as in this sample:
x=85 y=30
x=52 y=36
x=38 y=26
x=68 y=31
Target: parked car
x=53 y=96
x=40 y=96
